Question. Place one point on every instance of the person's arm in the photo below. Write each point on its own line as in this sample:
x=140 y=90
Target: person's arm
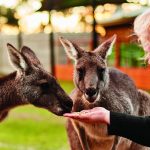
x=134 y=128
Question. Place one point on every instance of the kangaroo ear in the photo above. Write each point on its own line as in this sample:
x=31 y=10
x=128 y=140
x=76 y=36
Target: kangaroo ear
x=105 y=48
x=16 y=59
x=30 y=56
x=72 y=50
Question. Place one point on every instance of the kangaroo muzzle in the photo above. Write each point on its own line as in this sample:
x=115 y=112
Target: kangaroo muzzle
x=91 y=94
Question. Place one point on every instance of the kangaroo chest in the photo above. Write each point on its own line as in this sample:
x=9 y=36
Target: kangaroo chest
x=97 y=137
x=96 y=134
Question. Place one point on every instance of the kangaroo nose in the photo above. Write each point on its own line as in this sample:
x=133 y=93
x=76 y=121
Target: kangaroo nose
x=90 y=92
x=69 y=104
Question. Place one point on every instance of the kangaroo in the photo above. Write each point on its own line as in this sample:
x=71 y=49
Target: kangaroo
x=98 y=85
x=31 y=84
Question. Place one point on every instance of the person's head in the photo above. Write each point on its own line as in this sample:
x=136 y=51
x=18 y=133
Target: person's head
x=142 y=30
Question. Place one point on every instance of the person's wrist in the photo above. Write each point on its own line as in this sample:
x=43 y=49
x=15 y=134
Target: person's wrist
x=107 y=117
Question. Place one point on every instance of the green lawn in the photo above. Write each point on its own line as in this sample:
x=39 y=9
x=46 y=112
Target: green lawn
x=31 y=128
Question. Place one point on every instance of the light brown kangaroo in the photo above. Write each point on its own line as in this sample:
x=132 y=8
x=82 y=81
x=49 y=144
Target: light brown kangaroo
x=99 y=85
x=31 y=84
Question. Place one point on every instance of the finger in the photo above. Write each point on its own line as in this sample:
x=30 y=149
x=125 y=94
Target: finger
x=97 y=108
x=70 y=114
x=72 y=117
x=79 y=118
x=84 y=111
x=76 y=116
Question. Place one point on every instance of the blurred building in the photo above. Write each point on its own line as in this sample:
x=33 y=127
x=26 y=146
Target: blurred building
x=76 y=25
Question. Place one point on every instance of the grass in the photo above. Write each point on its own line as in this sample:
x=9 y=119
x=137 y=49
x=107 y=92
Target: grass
x=31 y=128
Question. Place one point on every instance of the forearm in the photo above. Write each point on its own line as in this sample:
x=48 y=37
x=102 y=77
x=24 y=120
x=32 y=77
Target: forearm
x=134 y=128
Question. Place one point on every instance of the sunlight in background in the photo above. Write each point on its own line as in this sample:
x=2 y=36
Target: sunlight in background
x=7 y=29
x=28 y=7
x=142 y=2
x=31 y=23
x=9 y=3
x=106 y=11
x=77 y=19
x=64 y=23
x=130 y=8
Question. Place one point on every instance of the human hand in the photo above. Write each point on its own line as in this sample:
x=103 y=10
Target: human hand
x=95 y=115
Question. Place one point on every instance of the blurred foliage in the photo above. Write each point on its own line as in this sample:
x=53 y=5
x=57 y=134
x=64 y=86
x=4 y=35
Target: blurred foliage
x=131 y=55
x=8 y=14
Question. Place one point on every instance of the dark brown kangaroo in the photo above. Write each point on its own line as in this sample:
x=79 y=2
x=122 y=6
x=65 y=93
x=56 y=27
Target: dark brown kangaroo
x=99 y=85
x=31 y=84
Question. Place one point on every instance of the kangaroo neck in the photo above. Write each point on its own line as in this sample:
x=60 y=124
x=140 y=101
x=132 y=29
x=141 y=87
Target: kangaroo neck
x=9 y=97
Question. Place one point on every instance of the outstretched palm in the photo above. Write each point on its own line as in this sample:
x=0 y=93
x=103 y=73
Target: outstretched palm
x=95 y=115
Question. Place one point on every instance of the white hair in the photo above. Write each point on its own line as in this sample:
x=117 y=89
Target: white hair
x=142 y=29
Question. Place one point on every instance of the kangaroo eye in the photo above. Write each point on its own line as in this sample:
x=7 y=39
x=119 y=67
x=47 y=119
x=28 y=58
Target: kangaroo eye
x=100 y=72
x=43 y=84
x=100 y=69
x=81 y=73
